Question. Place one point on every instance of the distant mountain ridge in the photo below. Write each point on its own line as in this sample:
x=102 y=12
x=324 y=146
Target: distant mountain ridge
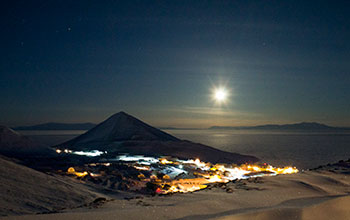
x=303 y=126
x=58 y=126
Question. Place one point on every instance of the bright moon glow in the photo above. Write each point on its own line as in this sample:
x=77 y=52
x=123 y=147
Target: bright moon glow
x=220 y=95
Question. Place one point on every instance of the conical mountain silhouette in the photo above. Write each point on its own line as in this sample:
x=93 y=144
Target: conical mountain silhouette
x=121 y=127
x=122 y=133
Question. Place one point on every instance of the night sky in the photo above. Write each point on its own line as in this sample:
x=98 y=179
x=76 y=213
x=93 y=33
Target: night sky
x=81 y=61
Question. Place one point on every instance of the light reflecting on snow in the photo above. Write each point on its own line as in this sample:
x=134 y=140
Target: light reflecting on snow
x=211 y=172
x=173 y=172
x=173 y=175
x=137 y=158
x=93 y=153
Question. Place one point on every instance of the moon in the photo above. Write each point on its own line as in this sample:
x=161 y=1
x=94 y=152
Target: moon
x=220 y=95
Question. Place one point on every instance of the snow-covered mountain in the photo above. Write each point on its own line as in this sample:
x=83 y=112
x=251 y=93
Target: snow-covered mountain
x=14 y=144
x=11 y=138
x=123 y=133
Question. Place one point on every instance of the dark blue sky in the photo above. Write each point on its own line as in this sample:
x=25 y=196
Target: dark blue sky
x=79 y=61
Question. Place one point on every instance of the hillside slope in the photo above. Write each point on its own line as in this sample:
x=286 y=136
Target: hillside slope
x=27 y=191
